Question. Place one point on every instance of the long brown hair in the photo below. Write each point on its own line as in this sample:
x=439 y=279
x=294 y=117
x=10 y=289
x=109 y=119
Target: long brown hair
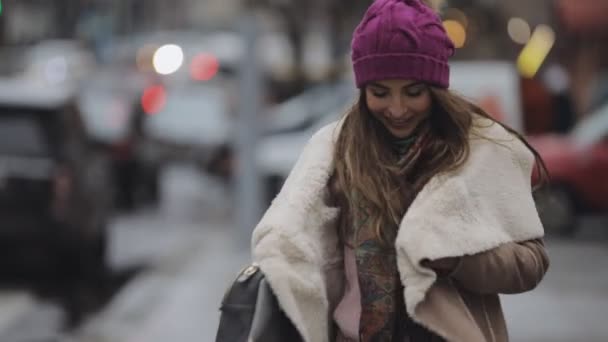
x=367 y=169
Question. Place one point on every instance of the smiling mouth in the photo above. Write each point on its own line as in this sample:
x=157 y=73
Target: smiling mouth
x=400 y=124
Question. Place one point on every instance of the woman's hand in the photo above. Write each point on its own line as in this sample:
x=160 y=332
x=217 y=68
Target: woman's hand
x=509 y=268
x=443 y=266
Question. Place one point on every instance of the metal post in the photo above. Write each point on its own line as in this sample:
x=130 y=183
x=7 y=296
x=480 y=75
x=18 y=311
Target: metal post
x=248 y=195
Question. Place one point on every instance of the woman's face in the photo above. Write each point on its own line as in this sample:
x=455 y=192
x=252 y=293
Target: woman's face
x=400 y=105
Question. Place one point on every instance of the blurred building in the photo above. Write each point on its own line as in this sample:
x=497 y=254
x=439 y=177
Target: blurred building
x=574 y=33
x=25 y=21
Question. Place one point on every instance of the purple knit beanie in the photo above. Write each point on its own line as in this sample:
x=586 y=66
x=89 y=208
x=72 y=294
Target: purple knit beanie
x=401 y=39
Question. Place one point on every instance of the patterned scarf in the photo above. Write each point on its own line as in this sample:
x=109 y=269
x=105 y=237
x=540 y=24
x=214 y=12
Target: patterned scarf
x=383 y=316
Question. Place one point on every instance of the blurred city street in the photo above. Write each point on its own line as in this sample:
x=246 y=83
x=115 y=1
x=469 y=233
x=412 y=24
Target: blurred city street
x=141 y=139
x=194 y=253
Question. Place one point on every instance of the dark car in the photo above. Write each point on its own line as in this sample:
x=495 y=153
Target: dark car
x=54 y=188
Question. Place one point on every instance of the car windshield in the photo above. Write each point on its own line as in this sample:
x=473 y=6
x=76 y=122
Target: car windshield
x=106 y=114
x=22 y=136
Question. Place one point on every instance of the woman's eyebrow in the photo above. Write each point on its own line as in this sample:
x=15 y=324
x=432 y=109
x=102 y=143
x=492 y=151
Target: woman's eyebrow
x=413 y=85
x=378 y=85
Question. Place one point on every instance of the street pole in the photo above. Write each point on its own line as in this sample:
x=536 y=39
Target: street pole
x=248 y=195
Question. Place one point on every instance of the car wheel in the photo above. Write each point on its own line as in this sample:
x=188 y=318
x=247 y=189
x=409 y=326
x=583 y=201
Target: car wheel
x=557 y=210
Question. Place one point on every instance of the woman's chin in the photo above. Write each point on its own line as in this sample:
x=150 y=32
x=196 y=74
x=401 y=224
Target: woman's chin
x=401 y=133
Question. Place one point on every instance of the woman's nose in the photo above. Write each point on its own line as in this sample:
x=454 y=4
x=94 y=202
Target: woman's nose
x=397 y=110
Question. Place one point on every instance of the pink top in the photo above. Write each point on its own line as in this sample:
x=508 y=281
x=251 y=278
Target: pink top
x=348 y=312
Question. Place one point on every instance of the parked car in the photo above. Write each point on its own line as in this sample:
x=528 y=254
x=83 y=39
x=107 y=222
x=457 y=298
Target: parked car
x=54 y=187
x=578 y=166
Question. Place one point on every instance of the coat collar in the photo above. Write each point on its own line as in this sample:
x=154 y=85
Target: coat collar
x=480 y=206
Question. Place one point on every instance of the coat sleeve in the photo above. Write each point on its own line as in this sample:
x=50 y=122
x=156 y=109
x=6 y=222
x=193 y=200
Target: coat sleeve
x=508 y=269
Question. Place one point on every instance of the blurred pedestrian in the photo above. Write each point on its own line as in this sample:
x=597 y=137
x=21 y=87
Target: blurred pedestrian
x=404 y=220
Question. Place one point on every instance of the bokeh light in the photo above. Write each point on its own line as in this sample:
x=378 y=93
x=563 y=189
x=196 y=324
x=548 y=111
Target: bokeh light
x=458 y=15
x=456 y=32
x=204 y=67
x=535 y=52
x=153 y=99
x=519 y=30
x=168 y=59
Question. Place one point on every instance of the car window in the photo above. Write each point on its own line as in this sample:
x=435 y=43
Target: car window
x=23 y=135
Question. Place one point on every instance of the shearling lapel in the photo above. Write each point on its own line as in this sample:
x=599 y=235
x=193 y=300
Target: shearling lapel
x=486 y=203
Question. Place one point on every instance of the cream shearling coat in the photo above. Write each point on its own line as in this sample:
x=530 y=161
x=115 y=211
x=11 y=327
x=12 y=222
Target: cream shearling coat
x=484 y=207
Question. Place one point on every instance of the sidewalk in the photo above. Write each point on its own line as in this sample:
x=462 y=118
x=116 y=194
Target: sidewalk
x=25 y=318
x=177 y=300
x=571 y=303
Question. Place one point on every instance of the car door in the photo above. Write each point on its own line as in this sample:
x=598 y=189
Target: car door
x=91 y=192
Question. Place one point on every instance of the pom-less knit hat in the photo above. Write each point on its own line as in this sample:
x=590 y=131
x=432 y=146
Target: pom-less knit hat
x=401 y=39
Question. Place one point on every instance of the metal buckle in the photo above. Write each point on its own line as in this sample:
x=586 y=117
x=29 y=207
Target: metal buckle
x=247 y=273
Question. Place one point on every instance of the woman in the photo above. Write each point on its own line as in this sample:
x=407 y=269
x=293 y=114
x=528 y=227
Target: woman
x=406 y=219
